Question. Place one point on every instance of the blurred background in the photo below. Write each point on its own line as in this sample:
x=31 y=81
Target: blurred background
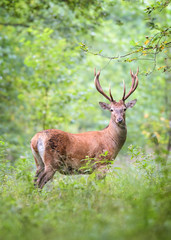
x=48 y=52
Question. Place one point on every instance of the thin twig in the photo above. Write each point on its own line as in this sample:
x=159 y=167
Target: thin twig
x=14 y=24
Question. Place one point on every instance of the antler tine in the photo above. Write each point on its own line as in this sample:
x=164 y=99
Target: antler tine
x=111 y=94
x=99 y=88
x=94 y=71
x=137 y=71
x=134 y=84
x=133 y=79
x=124 y=90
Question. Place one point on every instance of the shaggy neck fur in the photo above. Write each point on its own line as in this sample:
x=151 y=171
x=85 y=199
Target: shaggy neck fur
x=117 y=133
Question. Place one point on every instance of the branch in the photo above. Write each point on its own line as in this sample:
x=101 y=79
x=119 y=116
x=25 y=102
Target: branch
x=85 y=49
x=14 y=24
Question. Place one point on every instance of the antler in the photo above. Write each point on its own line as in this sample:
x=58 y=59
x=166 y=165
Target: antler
x=99 y=88
x=133 y=86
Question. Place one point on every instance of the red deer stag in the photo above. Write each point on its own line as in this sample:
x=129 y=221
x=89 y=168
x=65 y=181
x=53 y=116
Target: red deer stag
x=55 y=150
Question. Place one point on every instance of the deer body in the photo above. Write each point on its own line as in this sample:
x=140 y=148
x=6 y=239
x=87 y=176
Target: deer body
x=55 y=150
x=67 y=151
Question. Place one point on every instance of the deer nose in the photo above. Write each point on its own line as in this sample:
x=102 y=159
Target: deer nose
x=119 y=120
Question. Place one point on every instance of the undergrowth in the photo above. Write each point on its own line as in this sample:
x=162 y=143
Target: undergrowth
x=132 y=202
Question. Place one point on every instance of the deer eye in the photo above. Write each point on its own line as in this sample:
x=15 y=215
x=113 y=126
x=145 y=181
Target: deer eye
x=111 y=109
x=124 y=109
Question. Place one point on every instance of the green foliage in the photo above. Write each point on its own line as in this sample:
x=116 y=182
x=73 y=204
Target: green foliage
x=68 y=18
x=131 y=203
x=5 y=165
x=144 y=162
x=53 y=73
x=153 y=45
x=90 y=163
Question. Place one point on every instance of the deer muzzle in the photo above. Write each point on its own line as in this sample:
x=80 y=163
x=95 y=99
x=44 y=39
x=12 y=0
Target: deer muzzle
x=119 y=120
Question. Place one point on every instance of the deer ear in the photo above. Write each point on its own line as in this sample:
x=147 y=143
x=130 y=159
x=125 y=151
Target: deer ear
x=104 y=105
x=131 y=103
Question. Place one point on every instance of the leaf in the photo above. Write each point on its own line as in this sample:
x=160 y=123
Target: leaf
x=146 y=42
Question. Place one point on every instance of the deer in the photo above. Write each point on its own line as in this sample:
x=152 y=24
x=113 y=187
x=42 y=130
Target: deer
x=56 y=150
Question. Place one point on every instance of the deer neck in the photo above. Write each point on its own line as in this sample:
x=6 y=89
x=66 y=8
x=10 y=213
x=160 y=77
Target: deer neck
x=116 y=133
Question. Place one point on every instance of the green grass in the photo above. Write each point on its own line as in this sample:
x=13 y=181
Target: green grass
x=133 y=202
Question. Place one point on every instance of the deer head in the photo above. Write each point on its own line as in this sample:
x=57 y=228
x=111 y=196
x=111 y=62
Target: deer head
x=117 y=109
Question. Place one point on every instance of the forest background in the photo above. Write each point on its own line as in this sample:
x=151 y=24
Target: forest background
x=48 y=52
